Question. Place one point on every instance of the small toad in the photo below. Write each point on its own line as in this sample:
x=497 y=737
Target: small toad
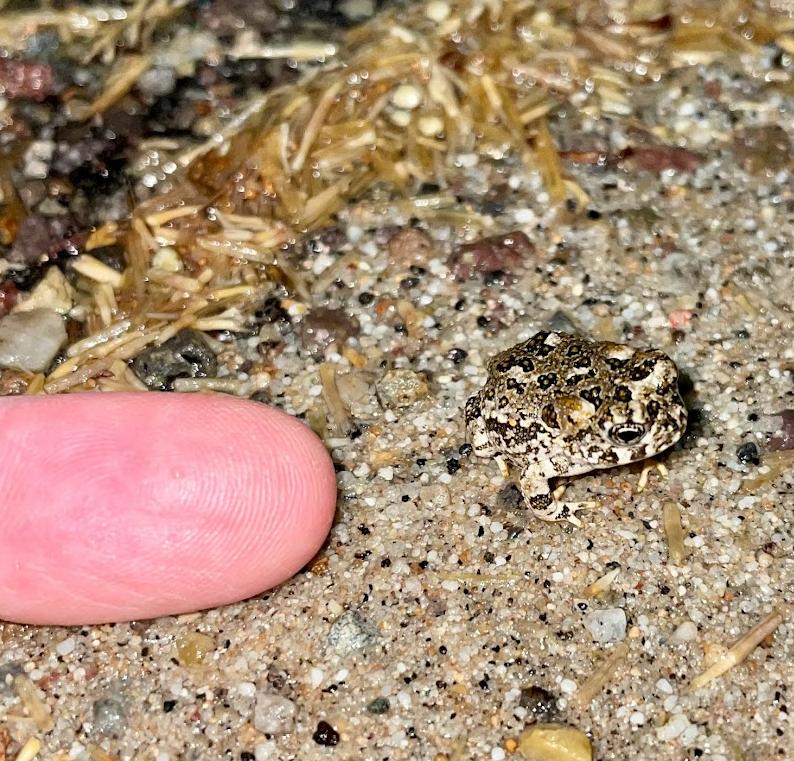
x=561 y=405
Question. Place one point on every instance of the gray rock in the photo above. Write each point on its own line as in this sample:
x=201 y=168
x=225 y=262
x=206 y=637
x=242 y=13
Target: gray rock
x=274 y=714
x=608 y=625
x=186 y=355
x=110 y=717
x=157 y=81
x=30 y=340
x=351 y=632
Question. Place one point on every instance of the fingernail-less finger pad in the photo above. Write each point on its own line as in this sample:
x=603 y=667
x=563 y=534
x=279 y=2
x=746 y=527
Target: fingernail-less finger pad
x=123 y=506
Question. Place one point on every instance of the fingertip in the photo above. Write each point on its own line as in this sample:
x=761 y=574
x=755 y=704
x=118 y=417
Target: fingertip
x=121 y=506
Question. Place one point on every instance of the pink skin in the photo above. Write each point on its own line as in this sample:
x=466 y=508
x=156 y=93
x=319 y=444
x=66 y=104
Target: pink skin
x=116 y=507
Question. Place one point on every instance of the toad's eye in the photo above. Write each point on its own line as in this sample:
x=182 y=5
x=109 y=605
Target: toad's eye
x=627 y=434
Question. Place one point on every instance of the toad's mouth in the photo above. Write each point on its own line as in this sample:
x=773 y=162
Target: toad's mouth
x=627 y=434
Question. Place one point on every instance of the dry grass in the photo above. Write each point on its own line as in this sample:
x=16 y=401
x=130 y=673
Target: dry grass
x=406 y=95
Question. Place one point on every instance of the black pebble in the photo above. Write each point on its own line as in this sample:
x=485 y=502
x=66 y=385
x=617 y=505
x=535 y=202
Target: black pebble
x=366 y=298
x=168 y=706
x=748 y=452
x=457 y=355
x=540 y=704
x=453 y=465
x=325 y=734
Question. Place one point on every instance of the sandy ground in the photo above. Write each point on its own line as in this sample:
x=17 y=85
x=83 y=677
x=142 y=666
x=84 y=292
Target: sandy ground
x=437 y=590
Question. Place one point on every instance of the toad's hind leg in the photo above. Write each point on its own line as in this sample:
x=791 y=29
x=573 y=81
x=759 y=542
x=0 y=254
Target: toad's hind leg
x=534 y=484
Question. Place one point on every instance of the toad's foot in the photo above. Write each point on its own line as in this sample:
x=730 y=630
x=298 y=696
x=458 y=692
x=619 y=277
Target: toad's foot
x=547 y=505
x=647 y=467
x=504 y=469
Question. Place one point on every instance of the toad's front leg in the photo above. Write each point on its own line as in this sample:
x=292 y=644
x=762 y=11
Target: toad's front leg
x=535 y=488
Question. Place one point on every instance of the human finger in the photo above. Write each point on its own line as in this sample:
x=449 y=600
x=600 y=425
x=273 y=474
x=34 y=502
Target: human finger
x=123 y=506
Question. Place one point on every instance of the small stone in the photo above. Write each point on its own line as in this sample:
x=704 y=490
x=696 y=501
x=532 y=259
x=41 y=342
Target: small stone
x=31 y=340
x=437 y=10
x=274 y=714
x=53 y=292
x=193 y=647
x=762 y=149
x=785 y=441
x=110 y=717
x=25 y=79
x=495 y=254
x=686 y=632
x=379 y=706
x=167 y=258
x=186 y=355
x=411 y=247
x=401 y=388
x=748 y=453
x=8 y=671
x=541 y=705
x=554 y=742
x=606 y=625
x=430 y=126
x=324 y=327
x=659 y=158
x=673 y=728
x=357 y=10
x=65 y=646
x=351 y=632
x=325 y=734
x=157 y=81
x=407 y=97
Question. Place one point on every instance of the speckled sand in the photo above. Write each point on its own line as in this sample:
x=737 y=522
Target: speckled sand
x=460 y=598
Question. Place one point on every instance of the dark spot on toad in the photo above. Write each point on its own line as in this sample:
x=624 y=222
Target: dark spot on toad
x=549 y=416
x=592 y=395
x=622 y=394
x=547 y=380
x=641 y=371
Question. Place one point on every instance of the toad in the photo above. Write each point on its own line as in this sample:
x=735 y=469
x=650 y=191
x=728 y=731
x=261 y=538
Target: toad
x=562 y=405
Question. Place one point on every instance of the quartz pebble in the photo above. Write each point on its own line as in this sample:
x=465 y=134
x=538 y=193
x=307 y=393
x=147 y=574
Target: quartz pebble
x=607 y=625
x=351 y=632
x=30 y=340
x=686 y=632
x=109 y=716
x=274 y=714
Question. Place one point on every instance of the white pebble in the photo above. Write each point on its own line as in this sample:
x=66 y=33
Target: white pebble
x=387 y=473
x=637 y=718
x=316 y=677
x=407 y=97
x=607 y=625
x=568 y=686
x=686 y=632
x=430 y=126
x=167 y=258
x=664 y=686
x=673 y=728
x=498 y=754
x=437 y=11
x=246 y=689
x=66 y=646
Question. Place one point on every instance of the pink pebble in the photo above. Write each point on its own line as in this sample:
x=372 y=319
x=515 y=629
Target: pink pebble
x=117 y=507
